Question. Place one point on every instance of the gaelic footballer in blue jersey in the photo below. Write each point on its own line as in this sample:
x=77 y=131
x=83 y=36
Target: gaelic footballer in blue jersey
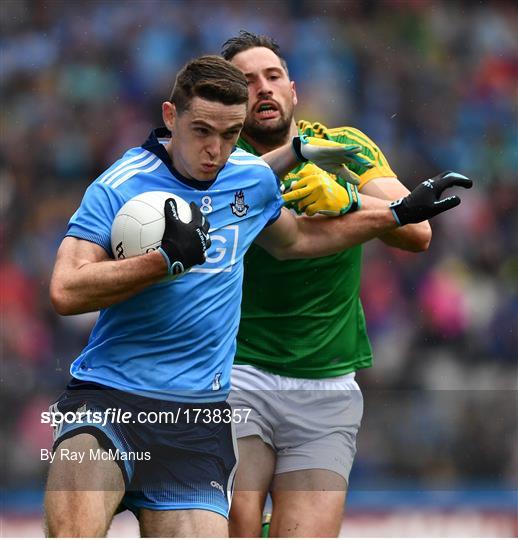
x=164 y=345
x=159 y=346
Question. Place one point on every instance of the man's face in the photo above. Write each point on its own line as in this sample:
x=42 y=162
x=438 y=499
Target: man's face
x=271 y=94
x=203 y=136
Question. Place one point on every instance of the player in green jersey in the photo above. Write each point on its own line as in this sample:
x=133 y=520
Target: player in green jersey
x=302 y=334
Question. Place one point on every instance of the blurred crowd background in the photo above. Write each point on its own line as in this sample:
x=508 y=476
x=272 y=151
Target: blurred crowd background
x=433 y=83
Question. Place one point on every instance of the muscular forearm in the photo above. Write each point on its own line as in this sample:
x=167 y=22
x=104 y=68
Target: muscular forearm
x=282 y=160
x=411 y=237
x=96 y=285
x=321 y=236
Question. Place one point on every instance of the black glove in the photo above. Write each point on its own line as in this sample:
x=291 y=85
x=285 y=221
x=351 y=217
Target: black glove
x=424 y=201
x=184 y=244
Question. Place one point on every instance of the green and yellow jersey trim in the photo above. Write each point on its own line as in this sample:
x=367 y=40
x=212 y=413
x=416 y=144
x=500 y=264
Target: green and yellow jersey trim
x=349 y=135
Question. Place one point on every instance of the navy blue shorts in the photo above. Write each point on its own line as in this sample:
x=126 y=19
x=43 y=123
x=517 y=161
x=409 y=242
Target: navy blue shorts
x=173 y=456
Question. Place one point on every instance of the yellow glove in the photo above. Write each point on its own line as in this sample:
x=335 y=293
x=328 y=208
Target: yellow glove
x=333 y=157
x=317 y=193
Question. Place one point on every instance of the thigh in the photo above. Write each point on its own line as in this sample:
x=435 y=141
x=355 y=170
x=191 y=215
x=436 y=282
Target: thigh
x=252 y=411
x=254 y=475
x=302 y=508
x=82 y=493
x=192 y=461
x=321 y=431
x=256 y=465
x=182 y=523
x=88 y=408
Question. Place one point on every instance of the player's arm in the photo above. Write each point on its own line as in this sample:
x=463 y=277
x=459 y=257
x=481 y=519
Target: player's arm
x=414 y=237
x=330 y=156
x=86 y=279
x=411 y=237
x=292 y=238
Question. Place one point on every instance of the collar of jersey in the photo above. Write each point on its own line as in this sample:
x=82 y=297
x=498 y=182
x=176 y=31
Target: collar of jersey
x=241 y=143
x=152 y=144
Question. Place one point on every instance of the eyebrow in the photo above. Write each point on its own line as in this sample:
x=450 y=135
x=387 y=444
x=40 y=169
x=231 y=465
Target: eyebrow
x=202 y=123
x=268 y=69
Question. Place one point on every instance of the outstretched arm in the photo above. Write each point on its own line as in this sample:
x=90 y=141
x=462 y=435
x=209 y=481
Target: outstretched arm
x=412 y=237
x=331 y=156
x=290 y=237
x=293 y=237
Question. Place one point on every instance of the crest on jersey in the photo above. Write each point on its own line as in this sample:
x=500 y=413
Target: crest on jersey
x=238 y=207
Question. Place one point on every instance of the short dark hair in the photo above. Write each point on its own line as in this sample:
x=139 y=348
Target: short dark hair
x=248 y=40
x=212 y=78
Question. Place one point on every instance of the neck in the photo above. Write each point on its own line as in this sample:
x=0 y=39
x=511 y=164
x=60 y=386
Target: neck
x=169 y=147
x=262 y=147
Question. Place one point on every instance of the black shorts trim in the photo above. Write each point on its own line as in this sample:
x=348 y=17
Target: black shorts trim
x=104 y=441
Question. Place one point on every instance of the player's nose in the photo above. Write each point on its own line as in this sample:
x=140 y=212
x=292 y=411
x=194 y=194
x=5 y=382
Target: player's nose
x=213 y=148
x=264 y=88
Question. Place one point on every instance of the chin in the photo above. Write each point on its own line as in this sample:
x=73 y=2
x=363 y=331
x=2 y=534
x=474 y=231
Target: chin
x=206 y=175
x=270 y=123
x=275 y=126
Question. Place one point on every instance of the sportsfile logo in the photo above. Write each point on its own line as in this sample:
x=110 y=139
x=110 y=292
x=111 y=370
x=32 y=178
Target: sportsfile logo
x=222 y=254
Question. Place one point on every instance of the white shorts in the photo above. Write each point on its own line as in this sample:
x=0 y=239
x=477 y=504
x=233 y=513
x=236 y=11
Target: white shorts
x=310 y=423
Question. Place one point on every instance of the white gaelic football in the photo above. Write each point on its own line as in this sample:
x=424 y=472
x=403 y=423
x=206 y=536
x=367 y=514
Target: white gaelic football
x=139 y=225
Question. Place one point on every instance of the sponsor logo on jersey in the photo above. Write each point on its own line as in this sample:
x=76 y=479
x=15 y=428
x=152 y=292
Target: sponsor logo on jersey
x=238 y=207
x=222 y=254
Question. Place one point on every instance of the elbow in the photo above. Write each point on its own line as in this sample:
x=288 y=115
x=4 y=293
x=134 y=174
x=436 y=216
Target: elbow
x=60 y=305
x=281 y=254
x=60 y=300
x=284 y=253
x=422 y=238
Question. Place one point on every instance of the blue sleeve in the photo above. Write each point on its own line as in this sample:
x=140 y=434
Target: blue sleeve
x=93 y=219
x=273 y=208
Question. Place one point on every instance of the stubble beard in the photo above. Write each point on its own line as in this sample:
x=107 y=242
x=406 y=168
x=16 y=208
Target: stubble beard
x=271 y=136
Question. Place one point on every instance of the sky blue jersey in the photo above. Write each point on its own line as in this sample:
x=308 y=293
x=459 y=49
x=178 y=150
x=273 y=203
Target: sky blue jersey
x=176 y=340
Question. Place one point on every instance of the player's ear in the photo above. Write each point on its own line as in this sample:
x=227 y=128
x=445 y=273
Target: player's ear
x=294 y=92
x=168 y=114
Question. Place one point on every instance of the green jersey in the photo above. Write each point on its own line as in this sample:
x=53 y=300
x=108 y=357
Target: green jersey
x=304 y=318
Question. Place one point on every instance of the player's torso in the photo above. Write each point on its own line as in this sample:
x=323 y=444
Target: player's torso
x=180 y=334
x=303 y=318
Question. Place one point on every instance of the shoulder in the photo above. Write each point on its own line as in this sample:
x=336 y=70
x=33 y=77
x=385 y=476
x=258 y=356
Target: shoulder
x=250 y=172
x=312 y=129
x=122 y=180
x=240 y=156
x=319 y=130
x=135 y=162
x=350 y=133
x=352 y=136
x=241 y=159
